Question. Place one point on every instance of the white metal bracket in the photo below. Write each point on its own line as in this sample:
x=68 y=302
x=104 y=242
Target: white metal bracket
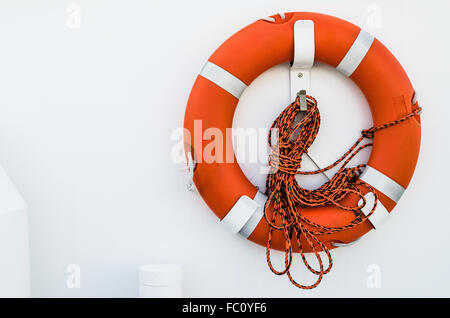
x=190 y=166
x=304 y=51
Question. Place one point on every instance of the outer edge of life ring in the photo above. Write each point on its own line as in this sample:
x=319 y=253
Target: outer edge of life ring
x=352 y=51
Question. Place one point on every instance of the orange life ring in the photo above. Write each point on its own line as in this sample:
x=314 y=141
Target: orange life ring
x=264 y=44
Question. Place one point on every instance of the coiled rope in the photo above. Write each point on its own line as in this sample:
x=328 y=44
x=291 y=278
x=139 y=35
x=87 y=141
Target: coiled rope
x=288 y=198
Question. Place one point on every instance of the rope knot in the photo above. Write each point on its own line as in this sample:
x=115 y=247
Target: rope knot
x=295 y=136
x=368 y=133
x=284 y=163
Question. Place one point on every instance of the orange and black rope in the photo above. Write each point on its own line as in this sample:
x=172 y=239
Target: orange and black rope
x=288 y=198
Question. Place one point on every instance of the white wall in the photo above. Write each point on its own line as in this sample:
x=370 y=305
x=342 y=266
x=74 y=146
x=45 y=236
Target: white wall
x=86 y=117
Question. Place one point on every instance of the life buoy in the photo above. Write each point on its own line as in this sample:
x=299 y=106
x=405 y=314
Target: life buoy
x=264 y=44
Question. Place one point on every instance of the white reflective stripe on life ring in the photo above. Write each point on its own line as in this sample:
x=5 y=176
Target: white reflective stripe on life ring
x=379 y=215
x=356 y=54
x=382 y=183
x=245 y=214
x=223 y=79
x=253 y=222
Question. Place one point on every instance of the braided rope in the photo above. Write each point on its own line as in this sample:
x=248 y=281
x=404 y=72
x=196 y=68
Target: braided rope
x=286 y=196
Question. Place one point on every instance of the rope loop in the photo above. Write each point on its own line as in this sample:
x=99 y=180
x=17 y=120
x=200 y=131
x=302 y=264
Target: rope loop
x=368 y=133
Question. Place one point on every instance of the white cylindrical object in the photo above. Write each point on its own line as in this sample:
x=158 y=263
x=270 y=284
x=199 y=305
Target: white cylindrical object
x=160 y=281
x=14 y=247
